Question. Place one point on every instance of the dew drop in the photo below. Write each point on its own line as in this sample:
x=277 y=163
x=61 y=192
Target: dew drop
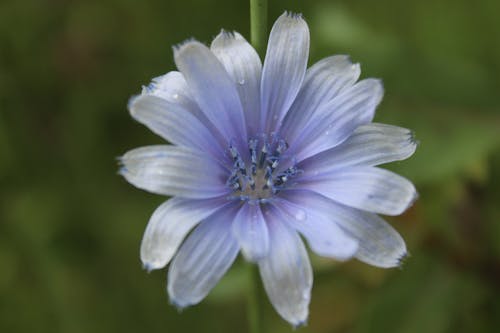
x=241 y=82
x=175 y=96
x=300 y=215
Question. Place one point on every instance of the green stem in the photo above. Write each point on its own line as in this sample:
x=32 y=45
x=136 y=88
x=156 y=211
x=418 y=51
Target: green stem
x=258 y=25
x=255 y=308
x=258 y=38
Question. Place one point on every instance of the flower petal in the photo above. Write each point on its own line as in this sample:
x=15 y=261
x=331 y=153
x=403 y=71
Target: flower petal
x=324 y=80
x=172 y=170
x=284 y=68
x=250 y=229
x=379 y=244
x=337 y=119
x=243 y=64
x=324 y=237
x=173 y=88
x=286 y=272
x=172 y=122
x=369 y=145
x=368 y=188
x=212 y=88
x=203 y=259
x=169 y=225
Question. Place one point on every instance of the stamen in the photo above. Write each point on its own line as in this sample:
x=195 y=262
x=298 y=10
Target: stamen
x=240 y=165
x=253 y=180
x=252 y=146
x=282 y=146
x=274 y=162
x=263 y=154
x=269 y=178
x=233 y=181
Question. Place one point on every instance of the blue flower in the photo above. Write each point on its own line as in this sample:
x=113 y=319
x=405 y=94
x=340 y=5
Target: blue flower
x=261 y=154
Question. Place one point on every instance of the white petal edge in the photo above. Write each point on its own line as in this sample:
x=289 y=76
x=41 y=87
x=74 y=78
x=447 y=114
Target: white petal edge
x=174 y=171
x=368 y=188
x=250 y=229
x=379 y=244
x=203 y=259
x=169 y=225
x=173 y=88
x=284 y=68
x=243 y=64
x=324 y=80
x=369 y=145
x=174 y=123
x=286 y=272
x=212 y=88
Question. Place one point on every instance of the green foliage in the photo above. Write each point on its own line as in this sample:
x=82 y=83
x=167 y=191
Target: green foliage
x=70 y=227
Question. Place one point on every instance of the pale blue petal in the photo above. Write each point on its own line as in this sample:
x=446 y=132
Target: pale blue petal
x=172 y=122
x=203 y=259
x=286 y=272
x=324 y=237
x=368 y=188
x=324 y=80
x=172 y=170
x=243 y=64
x=169 y=225
x=212 y=88
x=284 y=68
x=379 y=244
x=338 y=118
x=369 y=145
x=250 y=230
x=173 y=88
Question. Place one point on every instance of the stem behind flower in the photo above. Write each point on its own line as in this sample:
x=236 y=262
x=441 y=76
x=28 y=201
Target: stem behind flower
x=258 y=25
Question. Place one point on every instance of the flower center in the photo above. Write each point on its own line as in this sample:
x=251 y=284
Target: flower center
x=264 y=174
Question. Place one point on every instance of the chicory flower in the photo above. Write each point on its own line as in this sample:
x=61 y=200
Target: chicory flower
x=260 y=154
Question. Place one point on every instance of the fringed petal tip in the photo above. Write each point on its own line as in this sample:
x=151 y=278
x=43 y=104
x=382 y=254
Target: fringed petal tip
x=228 y=34
x=401 y=261
x=348 y=61
x=122 y=170
x=149 y=267
x=184 y=44
x=299 y=324
x=180 y=307
x=413 y=138
x=297 y=16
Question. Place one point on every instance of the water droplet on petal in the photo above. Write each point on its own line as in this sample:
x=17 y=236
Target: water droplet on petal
x=300 y=215
x=241 y=82
x=175 y=96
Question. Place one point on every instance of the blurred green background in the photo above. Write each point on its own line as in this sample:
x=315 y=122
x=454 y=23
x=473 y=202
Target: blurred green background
x=70 y=227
